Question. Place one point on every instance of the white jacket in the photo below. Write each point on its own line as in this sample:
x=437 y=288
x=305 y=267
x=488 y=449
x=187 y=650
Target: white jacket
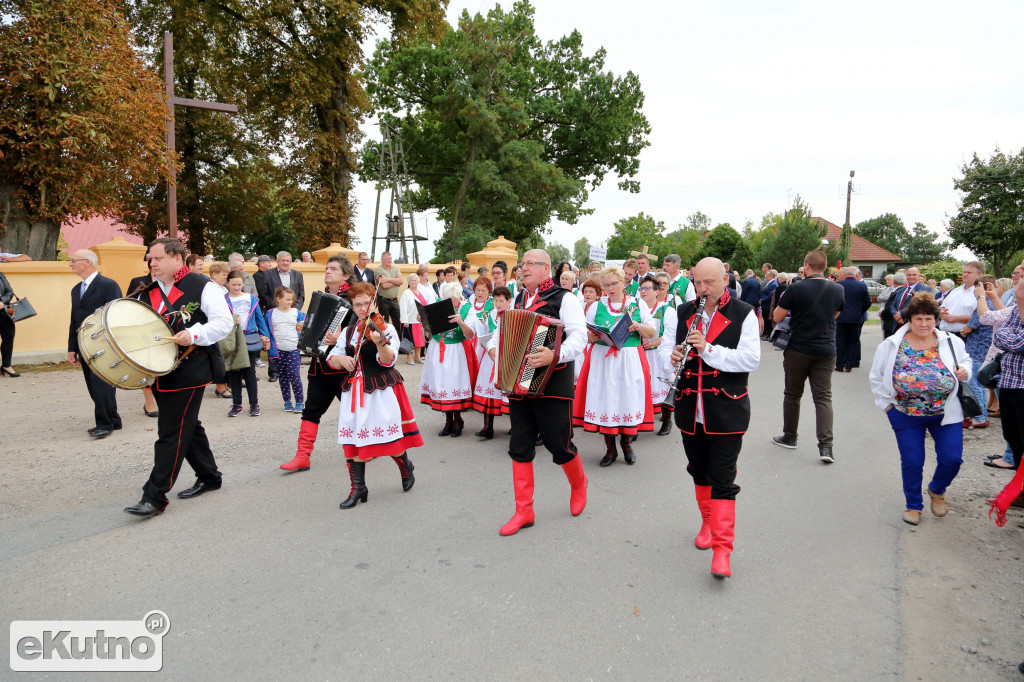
x=885 y=360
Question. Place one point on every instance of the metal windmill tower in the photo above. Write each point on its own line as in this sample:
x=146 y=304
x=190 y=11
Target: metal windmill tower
x=394 y=175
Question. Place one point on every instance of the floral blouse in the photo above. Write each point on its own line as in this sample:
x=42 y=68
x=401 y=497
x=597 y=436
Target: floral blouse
x=921 y=380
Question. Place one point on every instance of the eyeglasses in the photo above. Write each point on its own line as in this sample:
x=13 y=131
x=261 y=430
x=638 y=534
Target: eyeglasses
x=75 y=260
x=612 y=285
x=534 y=262
x=646 y=288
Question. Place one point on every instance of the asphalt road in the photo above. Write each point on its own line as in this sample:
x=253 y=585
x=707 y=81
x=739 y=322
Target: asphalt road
x=268 y=579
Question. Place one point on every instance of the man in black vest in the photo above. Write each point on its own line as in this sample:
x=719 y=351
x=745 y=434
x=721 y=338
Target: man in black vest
x=549 y=415
x=198 y=314
x=93 y=292
x=712 y=407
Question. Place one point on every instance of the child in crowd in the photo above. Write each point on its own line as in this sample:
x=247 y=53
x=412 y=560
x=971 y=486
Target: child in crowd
x=285 y=323
x=247 y=314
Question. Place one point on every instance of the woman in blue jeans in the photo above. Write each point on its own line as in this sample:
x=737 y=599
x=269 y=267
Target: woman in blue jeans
x=914 y=378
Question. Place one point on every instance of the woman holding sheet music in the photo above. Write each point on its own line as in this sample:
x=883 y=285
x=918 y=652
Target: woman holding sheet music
x=487 y=399
x=610 y=398
x=650 y=289
x=449 y=372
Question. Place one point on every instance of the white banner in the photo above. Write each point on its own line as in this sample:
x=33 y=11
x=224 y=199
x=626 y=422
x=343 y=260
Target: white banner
x=597 y=253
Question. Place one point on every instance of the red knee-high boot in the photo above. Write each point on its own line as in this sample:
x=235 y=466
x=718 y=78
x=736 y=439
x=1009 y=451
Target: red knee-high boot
x=522 y=479
x=723 y=531
x=578 y=481
x=307 y=438
x=703 y=539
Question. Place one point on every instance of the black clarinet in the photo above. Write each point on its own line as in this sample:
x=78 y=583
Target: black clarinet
x=675 y=384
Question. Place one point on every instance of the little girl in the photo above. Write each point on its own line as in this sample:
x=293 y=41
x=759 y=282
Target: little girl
x=247 y=314
x=285 y=323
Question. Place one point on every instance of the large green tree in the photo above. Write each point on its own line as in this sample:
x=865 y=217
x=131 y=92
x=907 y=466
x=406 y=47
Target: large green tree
x=886 y=231
x=502 y=130
x=634 y=233
x=581 y=252
x=924 y=246
x=81 y=119
x=797 y=234
x=727 y=244
x=294 y=67
x=990 y=219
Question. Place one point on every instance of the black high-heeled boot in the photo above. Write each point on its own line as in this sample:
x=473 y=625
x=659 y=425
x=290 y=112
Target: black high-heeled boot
x=359 y=493
x=448 y=421
x=611 y=454
x=627 y=449
x=666 y=422
x=488 y=430
x=406 y=467
x=457 y=425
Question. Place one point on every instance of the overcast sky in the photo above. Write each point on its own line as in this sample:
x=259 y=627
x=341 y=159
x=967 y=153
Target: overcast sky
x=752 y=103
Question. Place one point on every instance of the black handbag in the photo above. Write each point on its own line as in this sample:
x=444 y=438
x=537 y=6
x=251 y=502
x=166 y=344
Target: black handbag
x=988 y=376
x=253 y=342
x=21 y=307
x=782 y=334
x=968 y=401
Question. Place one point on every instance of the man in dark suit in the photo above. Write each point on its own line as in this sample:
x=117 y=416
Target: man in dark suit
x=363 y=271
x=750 y=289
x=900 y=299
x=94 y=292
x=264 y=292
x=851 y=320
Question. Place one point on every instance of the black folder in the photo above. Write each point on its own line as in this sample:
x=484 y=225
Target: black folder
x=434 y=317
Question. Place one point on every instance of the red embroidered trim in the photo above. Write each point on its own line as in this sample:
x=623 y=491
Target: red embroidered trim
x=725 y=299
x=343 y=287
x=181 y=273
x=546 y=284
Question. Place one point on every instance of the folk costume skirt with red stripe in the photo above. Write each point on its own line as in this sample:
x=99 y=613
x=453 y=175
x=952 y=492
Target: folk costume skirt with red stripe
x=376 y=424
x=486 y=398
x=613 y=392
x=449 y=374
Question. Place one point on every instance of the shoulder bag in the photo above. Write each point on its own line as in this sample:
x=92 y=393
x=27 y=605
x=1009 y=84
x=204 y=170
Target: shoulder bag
x=20 y=309
x=988 y=376
x=968 y=401
x=783 y=331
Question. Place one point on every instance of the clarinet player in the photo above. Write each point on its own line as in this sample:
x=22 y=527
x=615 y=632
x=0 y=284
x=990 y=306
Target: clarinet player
x=712 y=408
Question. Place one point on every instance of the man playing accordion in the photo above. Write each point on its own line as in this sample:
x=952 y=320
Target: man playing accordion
x=549 y=414
x=712 y=408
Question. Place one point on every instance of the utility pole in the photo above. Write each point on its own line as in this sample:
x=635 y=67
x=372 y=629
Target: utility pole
x=847 y=230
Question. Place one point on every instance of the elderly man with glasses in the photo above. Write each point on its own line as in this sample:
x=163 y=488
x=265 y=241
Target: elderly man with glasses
x=547 y=415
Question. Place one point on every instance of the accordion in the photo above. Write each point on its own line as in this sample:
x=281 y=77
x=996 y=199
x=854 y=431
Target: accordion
x=327 y=313
x=521 y=332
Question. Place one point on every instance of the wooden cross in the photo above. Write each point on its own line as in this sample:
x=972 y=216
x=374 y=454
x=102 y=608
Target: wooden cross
x=172 y=186
x=650 y=256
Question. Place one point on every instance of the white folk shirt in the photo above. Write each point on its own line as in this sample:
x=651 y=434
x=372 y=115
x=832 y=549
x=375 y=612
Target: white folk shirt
x=219 y=319
x=959 y=301
x=744 y=358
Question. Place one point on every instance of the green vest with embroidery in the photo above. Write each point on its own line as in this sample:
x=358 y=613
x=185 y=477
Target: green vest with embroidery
x=605 y=319
x=679 y=288
x=633 y=288
x=481 y=315
x=659 y=315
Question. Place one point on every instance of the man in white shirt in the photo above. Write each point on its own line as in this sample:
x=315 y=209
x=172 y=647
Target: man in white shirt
x=960 y=303
x=713 y=408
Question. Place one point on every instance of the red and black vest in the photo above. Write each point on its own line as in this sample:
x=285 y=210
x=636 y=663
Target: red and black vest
x=725 y=394
x=561 y=384
x=181 y=309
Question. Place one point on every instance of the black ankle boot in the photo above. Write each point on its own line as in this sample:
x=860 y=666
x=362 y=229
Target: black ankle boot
x=611 y=454
x=359 y=493
x=666 y=422
x=457 y=425
x=406 y=467
x=488 y=430
x=627 y=449
x=448 y=421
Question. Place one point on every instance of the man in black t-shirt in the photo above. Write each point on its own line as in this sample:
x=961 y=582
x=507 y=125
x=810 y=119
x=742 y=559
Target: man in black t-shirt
x=813 y=304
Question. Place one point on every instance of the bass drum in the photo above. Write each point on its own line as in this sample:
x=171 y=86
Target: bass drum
x=127 y=344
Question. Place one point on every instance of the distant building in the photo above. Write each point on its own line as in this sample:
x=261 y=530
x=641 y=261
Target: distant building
x=85 y=234
x=872 y=260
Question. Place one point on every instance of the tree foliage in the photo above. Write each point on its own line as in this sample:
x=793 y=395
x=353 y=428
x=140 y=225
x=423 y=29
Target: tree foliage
x=636 y=232
x=920 y=245
x=939 y=270
x=503 y=131
x=726 y=244
x=294 y=67
x=797 y=234
x=558 y=253
x=81 y=120
x=990 y=219
x=581 y=252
